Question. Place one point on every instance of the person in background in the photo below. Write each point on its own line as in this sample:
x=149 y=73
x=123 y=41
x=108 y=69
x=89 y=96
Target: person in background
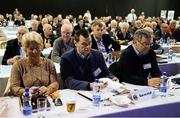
x=19 y=20
x=142 y=15
x=176 y=34
x=154 y=26
x=113 y=29
x=14 y=50
x=124 y=35
x=88 y=16
x=163 y=33
x=16 y=11
x=137 y=64
x=137 y=25
x=48 y=36
x=131 y=16
x=3 y=22
x=2 y=36
x=172 y=27
x=56 y=26
x=174 y=30
x=41 y=24
x=63 y=43
x=34 y=26
x=102 y=42
x=82 y=65
x=80 y=25
x=33 y=71
x=154 y=45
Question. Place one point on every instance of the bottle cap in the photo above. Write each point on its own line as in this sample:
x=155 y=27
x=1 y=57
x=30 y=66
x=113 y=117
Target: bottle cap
x=96 y=80
x=26 y=89
x=164 y=73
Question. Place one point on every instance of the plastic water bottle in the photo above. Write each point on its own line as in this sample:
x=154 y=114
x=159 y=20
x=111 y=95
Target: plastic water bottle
x=168 y=41
x=4 y=23
x=110 y=58
x=161 y=42
x=27 y=107
x=96 y=93
x=163 y=85
x=170 y=55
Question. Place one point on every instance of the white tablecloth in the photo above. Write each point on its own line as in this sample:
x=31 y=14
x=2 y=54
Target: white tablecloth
x=4 y=75
x=10 y=32
x=2 y=51
x=84 y=107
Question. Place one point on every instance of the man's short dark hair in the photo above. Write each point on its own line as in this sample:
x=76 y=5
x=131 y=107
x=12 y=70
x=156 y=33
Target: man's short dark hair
x=82 y=32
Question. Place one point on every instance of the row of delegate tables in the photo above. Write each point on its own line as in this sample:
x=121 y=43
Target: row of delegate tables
x=156 y=107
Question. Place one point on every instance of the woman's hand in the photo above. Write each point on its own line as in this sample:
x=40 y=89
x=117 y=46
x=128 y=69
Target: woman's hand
x=34 y=90
x=44 y=90
x=115 y=79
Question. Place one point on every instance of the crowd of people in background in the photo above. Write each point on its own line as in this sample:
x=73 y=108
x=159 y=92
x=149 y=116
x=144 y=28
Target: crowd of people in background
x=107 y=34
x=119 y=28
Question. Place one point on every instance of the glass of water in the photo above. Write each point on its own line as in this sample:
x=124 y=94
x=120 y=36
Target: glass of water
x=42 y=107
x=171 y=87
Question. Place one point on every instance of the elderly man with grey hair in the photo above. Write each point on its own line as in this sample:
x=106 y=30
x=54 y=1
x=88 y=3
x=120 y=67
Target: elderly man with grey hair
x=63 y=43
x=13 y=51
x=34 y=26
x=41 y=24
x=131 y=16
x=124 y=36
x=48 y=36
x=137 y=64
x=113 y=29
x=163 y=33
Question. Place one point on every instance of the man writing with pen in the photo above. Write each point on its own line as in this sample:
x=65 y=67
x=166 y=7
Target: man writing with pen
x=137 y=64
x=82 y=65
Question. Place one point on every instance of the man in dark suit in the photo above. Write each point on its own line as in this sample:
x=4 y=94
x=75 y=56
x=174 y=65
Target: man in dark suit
x=80 y=25
x=137 y=64
x=34 y=26
x=124 y=36
x=13 y=50
x=48 y=36
x=82 y=65
x=102 y=42
x=163 y=33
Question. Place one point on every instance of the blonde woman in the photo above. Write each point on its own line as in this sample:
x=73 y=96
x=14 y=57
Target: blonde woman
x=33 y=71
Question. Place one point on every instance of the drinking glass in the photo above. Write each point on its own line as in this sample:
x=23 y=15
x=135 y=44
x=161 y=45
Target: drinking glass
x=70 y=105
x=42 y=107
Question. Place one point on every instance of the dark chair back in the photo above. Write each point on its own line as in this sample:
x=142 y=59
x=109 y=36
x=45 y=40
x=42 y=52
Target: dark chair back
x=114 y=69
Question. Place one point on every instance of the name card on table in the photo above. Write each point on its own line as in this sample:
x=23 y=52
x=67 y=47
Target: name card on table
x=141 y=95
